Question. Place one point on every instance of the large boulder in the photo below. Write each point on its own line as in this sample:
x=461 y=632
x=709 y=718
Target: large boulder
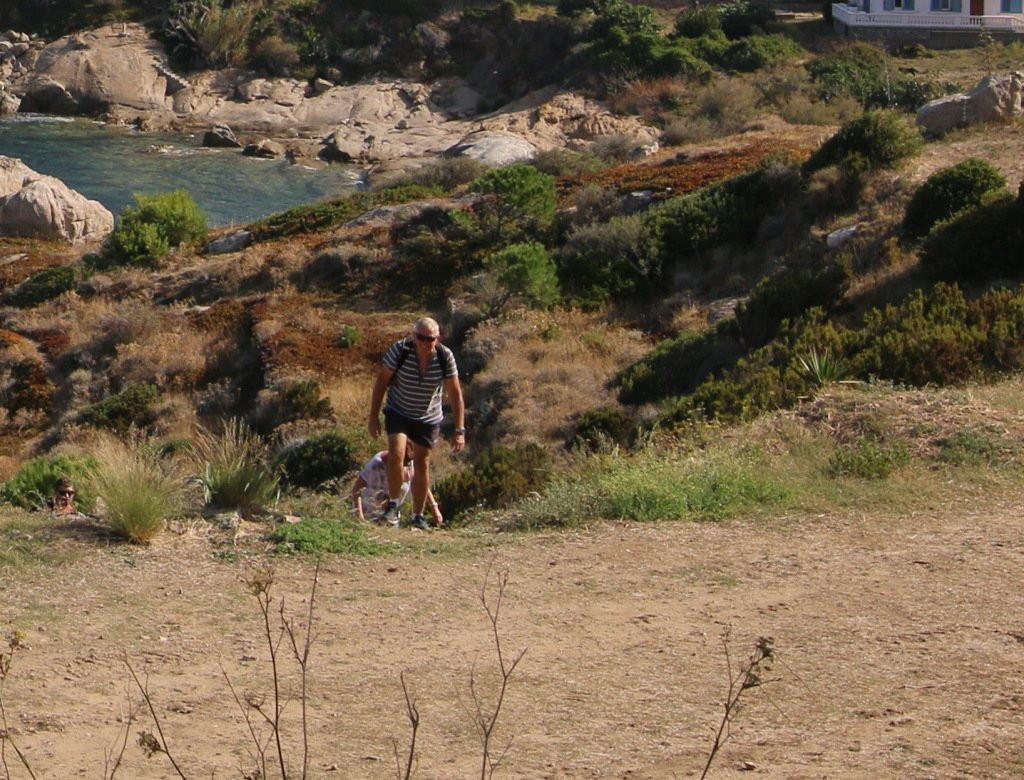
x=91 y=72
x=39 y=206
x=994 y=98
x=493 y=147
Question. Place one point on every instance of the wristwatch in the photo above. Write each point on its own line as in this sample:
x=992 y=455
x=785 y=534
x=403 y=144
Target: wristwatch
x=460 y=430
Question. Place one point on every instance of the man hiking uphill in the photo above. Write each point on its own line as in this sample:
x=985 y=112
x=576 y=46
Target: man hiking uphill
x=413 y=375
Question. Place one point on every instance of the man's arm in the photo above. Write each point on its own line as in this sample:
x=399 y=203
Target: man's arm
x=380 y=386
x=454 y=390
x=435 y=510
x=357 y=496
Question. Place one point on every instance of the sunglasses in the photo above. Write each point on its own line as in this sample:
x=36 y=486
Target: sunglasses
x=421 y=337
x=65 y=492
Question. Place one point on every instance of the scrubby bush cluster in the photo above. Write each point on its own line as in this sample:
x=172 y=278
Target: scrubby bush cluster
x=155 y=224
x=316 y=460
x=935 y=337
x=43 y=286
x=497 y=477
x=978 y=244
x=950 y=191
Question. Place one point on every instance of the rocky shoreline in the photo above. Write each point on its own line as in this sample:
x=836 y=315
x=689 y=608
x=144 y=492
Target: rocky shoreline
x=121 y=75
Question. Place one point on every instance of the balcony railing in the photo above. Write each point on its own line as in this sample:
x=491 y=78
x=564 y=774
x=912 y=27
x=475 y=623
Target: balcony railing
x=851 y=17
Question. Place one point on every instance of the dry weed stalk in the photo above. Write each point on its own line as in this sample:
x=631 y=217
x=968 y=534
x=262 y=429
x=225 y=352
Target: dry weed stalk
x=486 y=721
x=748 y=676
x=15 y=642
x=151 y=743
x=260 y=585
x=112 y=762
x=413 y=713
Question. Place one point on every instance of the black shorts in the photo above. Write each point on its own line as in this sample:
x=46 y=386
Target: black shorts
x=424 y=434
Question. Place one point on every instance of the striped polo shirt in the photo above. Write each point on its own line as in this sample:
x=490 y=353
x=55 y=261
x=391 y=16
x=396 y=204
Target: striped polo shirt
x=413 y=396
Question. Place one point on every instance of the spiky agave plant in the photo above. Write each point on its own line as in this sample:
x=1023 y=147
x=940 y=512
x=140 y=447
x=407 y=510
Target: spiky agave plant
x=822 y=367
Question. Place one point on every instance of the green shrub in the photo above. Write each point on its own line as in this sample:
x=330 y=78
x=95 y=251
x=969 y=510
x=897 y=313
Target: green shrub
x=313 y=535
x=858 y=70
x=135 y=244
x=28 y=387
x=131 y=407
x=787 y=295
x=213 y=35
x=936 y=337
x=969 y=448
x=882 y=138
x=349 y=336
x=519 y=202
x=527 y=272
x=730 y=211
x=43 y=285
x=598 y=429
x=760 y=51
x=939 y=337
x=698 y=21
x=677 y=366
x=152 y=226
x=435 y=248
x=767 y=379
x=499 y=476
x=867 y=459
x=949 y=191
x=316 y=460
x=33 y=483
x=907 y=94
x=607 y=261
x=741 y=18
x=624 y=42
x=406 y=193
x=309 y=218
x=567 y=162
x=234 y=469
x=952 y=250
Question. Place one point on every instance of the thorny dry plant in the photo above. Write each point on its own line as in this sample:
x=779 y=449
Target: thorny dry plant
x=748 y=676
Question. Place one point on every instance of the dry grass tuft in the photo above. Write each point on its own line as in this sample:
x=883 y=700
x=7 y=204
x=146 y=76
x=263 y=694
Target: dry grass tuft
x=547 y=367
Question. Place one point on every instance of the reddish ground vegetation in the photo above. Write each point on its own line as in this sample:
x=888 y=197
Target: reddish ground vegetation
x=683 y=173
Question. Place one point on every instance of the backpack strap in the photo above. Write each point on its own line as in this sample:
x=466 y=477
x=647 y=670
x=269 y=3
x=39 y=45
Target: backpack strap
x=407 y=350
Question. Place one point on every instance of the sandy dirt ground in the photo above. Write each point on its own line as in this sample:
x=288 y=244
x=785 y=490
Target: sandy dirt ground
x=899 y=648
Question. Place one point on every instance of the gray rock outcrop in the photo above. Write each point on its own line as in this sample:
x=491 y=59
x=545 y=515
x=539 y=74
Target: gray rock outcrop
x=994 y=98
x=123 y=77
x=493 y=147
x=221 y=136
x=38 y=206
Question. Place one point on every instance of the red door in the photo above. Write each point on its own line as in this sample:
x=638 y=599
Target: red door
x=977 y=7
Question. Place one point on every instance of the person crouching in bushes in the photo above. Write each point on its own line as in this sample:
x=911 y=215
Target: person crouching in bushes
x=370 y=489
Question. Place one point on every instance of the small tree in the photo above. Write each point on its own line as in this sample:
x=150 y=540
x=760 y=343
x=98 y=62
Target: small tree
x=519 y=200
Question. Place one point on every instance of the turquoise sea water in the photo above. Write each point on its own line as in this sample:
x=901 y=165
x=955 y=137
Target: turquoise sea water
x=110 y=164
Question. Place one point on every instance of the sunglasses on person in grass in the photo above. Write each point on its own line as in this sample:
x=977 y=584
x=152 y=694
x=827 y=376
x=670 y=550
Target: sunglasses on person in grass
x=421 y=337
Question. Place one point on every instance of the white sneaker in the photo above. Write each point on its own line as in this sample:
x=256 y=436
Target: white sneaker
x=390 y=515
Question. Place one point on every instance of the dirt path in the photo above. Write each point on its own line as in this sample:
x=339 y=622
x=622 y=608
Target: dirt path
x=900 y=643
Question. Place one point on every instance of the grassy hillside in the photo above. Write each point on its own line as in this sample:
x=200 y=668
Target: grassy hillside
x=613 y=318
